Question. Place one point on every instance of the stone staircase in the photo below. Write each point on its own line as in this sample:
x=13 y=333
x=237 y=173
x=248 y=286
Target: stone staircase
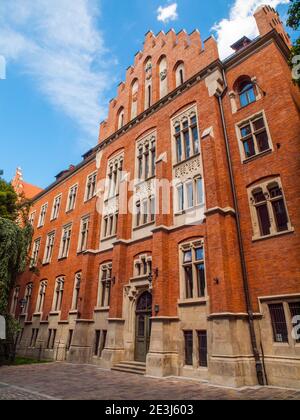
x=135 y=368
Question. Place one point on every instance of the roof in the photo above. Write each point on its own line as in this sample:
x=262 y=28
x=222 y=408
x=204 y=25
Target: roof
x=22 y=188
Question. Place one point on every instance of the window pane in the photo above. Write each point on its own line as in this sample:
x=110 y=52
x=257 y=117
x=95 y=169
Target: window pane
x=189 y=282
x=199 y=191
x=202 y=342
x=199 y=254
x=259 y=197
x=246 y=131
x=258 y=124
x=280 y=215
x=179 y=148
x=295 y=312
x=249 y=147
x=188 y=338
x=190 y=195
x=187 y=256
x=196 y=139
x=262 y=141
x=201 y=280
x=180 y=198
x=264 y=220
x=279 y=323
x=187 y=144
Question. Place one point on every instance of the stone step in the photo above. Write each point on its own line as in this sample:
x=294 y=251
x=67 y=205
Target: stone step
x=135 y=368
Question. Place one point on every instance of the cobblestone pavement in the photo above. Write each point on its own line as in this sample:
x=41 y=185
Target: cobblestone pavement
x=84 y=382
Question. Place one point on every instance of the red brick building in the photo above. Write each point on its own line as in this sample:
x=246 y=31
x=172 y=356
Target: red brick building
x=162 y=251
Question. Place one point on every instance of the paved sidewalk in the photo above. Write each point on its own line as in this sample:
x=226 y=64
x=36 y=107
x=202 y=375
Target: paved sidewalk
x=84 y=382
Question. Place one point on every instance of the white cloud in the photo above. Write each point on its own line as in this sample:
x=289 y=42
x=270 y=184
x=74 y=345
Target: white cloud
x=167 y=13
x=240 y=22
x=58 y=44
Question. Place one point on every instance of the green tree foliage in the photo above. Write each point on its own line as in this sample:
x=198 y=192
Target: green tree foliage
x=15 y=239
x=294 y=22
x=8 y=201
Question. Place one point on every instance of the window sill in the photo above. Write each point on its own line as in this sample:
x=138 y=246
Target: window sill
x=113 y=197
x=54 y=313
x=44 y=264
x=104 y=309
x=73 y=312
x=109 y=238
x=70 y=211
x=62 y=258
x=143 y=181
x=189 y=210
x=193 y=302
x=144 y=226
x=37 y=314
x=273 y=235
x=175 y=165
x=259 y=155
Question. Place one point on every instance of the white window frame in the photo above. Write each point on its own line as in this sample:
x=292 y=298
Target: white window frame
x=250 y=120
x=41 y=297
x=72 y=205
x=88 y=196
x=15 y=300
x=47 y=258
x=27 y=298
x=32 y=218
x=76 y=291
x=58 y=294
x=35 y=252
x=103 y=301
x=82 y=245
x=68 y=228
x=55 y=211
x=43 y=214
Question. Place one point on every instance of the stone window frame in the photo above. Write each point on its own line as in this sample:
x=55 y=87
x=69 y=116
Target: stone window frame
x=41 y=296
x=234 y=95
x=179 y=74
x=43 y=214
x=178 y=121
x=35 y=252
x=134 y=99
x=15 y=300
x=247 y=121
x=146 y=145
x=196 y=362
x=100 y=342
x=64 y=252
x=146 y=214
x=105 y=285
x=83 y=234
x=72 y=197
x=91 y=181
x=32 y=217
x=193 y=246
x=286 y=301
x=181 y=204
x=142 y=266
x=121 y=118
x=76 y=291
x=58 y=294
x=115 y=166
x=49 y=245
x=27 y=298
x=56 y=207
x=148 y=76
x=263 y=185
x=163 y=76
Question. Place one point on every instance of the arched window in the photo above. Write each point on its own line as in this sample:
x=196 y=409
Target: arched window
x=163 y=77
x=148 y=83
x=121 y=116
x=134 y=99
x=246 y=92
x=179 y=74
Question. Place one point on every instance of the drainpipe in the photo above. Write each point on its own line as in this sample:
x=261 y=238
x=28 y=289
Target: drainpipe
x=258 y=362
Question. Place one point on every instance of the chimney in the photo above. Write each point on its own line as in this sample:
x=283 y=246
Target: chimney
x=267 y=20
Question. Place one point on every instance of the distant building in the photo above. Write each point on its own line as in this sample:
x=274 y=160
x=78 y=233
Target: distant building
x=22 y=188
x=208 y=286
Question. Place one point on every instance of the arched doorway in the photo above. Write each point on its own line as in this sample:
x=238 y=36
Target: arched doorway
x=143 y=326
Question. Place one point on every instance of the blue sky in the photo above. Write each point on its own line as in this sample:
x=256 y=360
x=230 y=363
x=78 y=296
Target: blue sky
x=65 y=58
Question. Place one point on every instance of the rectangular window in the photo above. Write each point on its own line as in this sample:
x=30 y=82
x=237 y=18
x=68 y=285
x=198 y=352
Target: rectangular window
x=295 y=312
x=65 y=242
x=72 y=198
x=35 y=253
x=190 y=194
x=188 y=340
x=58 y=294
x=97 y=342
x=180 y=194
x=51 y=339
x=83 y=234
x=42 y=215
x=279 y=324
x=254 y=137
x=105 y=285
x=103 y=342
x=56 y=207
x=70 y=338
x=32 y=218
x=146 y=158
x=91 y=184
x=76 y=292
x=41 y=296
x=202 y=343
x=199 y=190
x=186 y=136
x=49 y=248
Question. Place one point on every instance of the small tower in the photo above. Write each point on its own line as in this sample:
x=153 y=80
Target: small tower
x=268 y=19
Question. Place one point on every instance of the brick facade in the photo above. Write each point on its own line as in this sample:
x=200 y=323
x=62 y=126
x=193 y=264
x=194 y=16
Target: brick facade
x=272 y=269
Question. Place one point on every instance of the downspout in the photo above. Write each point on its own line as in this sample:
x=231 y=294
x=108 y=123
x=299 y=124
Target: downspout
x=258 y=362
